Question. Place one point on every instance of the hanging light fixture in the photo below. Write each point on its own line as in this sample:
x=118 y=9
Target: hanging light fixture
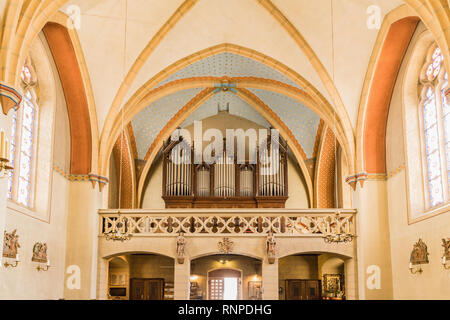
x=339 y=236
x=121 y=230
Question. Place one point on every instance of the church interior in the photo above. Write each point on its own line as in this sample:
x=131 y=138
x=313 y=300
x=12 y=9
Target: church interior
x=224 y=150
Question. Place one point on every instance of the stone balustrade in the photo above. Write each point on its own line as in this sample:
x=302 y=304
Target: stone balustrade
x=248 y=222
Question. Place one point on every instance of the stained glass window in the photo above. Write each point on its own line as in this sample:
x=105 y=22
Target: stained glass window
x=23 y=130
x=446 y=116
x=436 y=127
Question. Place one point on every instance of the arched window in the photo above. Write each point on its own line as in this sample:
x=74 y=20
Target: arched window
x=436 y=127
x=23 y=142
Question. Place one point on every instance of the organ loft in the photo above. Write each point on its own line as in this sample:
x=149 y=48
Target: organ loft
x=256 y=180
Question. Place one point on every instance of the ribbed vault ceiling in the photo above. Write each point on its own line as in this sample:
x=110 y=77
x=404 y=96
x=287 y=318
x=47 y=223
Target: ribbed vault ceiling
x=149 y=122
x=301 y=120
x=220 y=101
x=229 y=65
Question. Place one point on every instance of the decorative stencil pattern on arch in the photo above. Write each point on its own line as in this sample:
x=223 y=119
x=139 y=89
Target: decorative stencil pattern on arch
x=150 y=121
x=237 y=107
x=229 y=65
x=302 y=121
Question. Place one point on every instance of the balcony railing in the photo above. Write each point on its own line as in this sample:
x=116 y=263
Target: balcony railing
x=250 y=222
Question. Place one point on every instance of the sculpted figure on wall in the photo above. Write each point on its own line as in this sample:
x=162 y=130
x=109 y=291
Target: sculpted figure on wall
x=271 y=248
x=40 y=252
x=181 y=247
x=446 y=245
x=11 y=244
x=419 y=254
x=226 y=245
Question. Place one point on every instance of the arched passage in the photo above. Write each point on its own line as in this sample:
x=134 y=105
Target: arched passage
x=315 y=276
x=140 y=276
x=226 y=277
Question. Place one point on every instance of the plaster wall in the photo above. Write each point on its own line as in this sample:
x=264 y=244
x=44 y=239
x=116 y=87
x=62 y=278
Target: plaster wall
x=434 y=282
x=46 y=221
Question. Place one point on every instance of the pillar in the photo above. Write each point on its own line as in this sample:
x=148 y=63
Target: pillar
x=270 y=280
x=82 y=239
x=102 y=279
x=181 y=280
x=351 y=279
x=373 y=241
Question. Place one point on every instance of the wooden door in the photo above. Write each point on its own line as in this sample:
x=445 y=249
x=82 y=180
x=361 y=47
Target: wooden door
x=147 y=289
x=294 y=289
x=216 y=283
x=137 y=291
x=216 y=288
x=302 y=289
x=312 y=288
x=155 y=289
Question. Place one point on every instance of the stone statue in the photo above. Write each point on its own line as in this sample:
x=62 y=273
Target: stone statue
x=271 y=248
x=181 y=245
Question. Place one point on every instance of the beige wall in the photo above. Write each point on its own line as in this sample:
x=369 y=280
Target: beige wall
x=328 y=264
x=25 y=282
x=434 y=282
x=47 y=221
x=151 y=266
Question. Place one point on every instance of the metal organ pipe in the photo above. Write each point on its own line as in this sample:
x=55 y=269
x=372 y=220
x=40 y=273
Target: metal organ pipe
x=246 y=182
x=224 y=177
x=203 y=177
x=178 y=176
x=271 y=177
x=270 y=183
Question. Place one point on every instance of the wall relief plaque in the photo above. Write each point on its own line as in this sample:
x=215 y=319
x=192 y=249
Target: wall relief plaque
x=40 y=252
x=226 y=245
x=419 y=254
x=11 y=244
x=446 y=245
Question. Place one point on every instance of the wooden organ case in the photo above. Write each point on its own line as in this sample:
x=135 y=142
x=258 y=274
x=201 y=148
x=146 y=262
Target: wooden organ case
x=225 y=184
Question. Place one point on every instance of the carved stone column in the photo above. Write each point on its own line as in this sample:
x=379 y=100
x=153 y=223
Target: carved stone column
x=373 y=244
x=270 y=280
x=82 y=238
x=181 y=280
x=351 y=279
x=102 y=279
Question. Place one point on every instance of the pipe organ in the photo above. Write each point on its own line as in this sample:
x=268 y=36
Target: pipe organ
x=225 y=183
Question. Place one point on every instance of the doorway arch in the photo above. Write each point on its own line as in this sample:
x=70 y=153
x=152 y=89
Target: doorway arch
x=217 y=280
x=209 y=274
